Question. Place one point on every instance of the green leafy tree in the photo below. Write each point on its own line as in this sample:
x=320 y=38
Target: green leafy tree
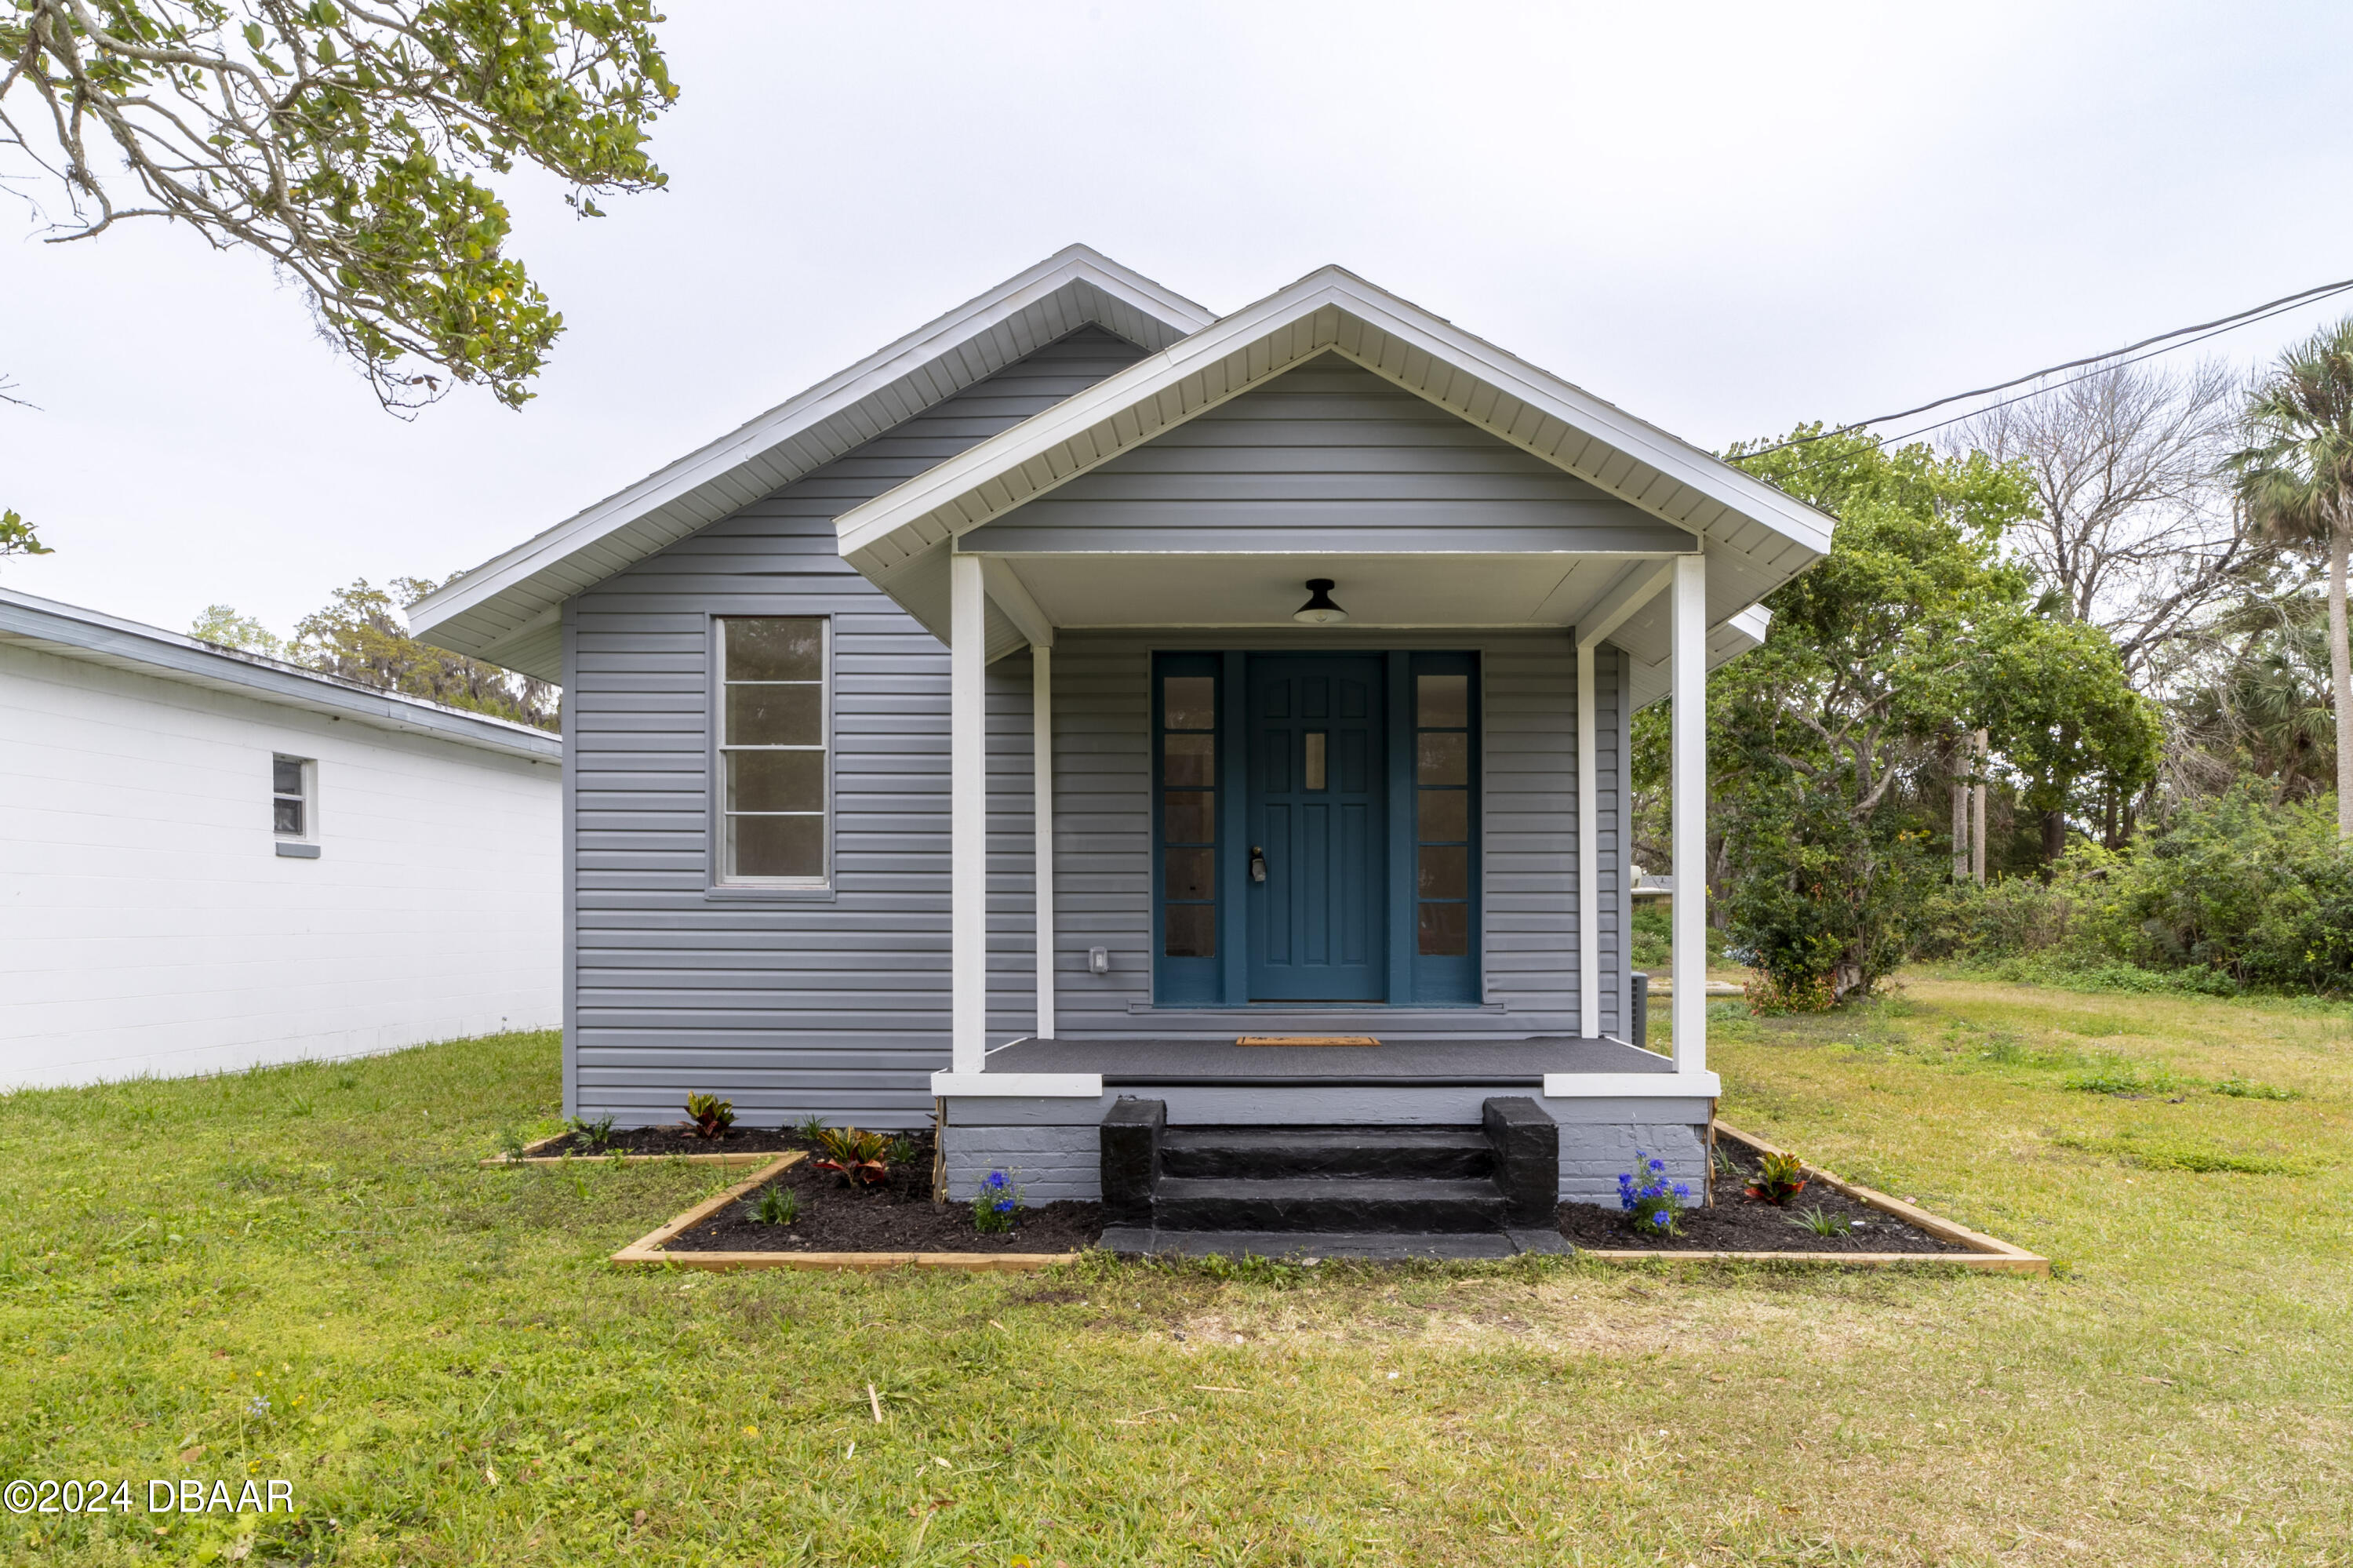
x=1914 y=630
x=17 y=538
x=2294 y=480
x=343 y=142
x=362 y=637
x=222 y=624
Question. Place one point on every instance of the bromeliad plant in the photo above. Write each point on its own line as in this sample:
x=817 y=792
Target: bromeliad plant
x=1779 y=1177
x=1653 y=1204
x=857 y=1157
x=997 y=1205
x=710 y=1114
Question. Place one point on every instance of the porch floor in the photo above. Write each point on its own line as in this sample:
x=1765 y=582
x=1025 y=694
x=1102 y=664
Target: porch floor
x=1468 y=1059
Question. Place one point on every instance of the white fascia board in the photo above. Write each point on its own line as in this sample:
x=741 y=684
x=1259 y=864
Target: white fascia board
x=73 y=632
x=1245 y=350
x=511 y=574
x=1631 y=1086
x=1018 y=1086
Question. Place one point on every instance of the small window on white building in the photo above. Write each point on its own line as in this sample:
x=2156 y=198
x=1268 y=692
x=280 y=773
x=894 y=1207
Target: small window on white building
x=773 y=734
x=290 y=780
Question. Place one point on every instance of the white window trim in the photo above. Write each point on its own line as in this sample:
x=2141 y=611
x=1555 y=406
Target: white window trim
x=721 y=882
x=310 y=766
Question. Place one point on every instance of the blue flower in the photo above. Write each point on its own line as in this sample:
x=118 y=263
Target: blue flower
x=1658 y=1165
x=1681 y=1191
x=1663 y=1219
x=997 y=1178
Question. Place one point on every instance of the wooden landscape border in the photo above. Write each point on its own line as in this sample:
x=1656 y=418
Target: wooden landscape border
x=652 y=1247
x=1987 y=1254
x=530 y=1156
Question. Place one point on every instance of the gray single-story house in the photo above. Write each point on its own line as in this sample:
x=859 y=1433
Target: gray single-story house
x=1006 y=728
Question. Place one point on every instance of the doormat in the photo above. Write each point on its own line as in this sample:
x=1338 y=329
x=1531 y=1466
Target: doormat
x=1306 y=1040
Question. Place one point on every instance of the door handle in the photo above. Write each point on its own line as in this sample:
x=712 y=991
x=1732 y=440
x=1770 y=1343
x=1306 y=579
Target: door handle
x=1258 y=863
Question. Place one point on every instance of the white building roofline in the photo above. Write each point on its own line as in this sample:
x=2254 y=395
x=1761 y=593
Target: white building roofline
x=97 y=637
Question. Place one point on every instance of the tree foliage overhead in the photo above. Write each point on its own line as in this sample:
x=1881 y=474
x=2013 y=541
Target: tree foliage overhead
x=343 y=142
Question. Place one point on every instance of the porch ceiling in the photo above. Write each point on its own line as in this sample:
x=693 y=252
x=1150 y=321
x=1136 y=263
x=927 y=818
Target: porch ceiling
x=1125 y=590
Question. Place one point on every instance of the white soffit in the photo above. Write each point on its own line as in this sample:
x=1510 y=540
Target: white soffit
x=1725 y=641
x=1757 y=536
x=509 y=610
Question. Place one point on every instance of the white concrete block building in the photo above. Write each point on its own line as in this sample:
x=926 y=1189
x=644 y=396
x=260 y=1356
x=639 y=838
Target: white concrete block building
x=210 y=859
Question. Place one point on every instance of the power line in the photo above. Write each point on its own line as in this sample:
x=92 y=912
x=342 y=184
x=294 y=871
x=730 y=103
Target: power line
x=2109 y=360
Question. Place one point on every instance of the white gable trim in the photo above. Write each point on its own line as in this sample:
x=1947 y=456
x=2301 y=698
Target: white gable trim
x=504 y=609
x=1333 y=310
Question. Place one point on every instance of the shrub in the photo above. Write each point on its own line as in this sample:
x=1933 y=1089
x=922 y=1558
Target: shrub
x=2232 y=892
x=711 y=1116
x=1779 y=1177
x=856 y=1155
x=1767 y=992
x=997 y=1205
x=1653 y=1204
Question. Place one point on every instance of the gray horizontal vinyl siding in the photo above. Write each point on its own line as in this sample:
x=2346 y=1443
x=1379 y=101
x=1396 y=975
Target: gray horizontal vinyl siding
x=1328 y=456
x=836 y=1005
x=1102 y=840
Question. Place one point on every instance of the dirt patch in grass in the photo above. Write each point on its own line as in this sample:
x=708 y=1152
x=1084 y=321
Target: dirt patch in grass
x=897 y=1215
x=1741 y=1224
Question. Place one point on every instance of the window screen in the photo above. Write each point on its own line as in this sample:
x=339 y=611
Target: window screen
x=290 y=797
x=773 y=739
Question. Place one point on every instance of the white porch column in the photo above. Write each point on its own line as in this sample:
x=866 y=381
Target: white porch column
x=1041 y=735
x=967 y=816
x=1688 y=743
x=1588 y=862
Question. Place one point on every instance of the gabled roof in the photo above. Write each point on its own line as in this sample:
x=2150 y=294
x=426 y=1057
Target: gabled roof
x=1756 y=537
x=97 y=637
x=508 y=609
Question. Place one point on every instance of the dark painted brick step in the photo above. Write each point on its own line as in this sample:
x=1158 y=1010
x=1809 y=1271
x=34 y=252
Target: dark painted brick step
x=1326 y=1203
x=1460 y=1153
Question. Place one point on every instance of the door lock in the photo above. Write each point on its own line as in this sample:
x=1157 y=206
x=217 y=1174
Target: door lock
x=1258 y=863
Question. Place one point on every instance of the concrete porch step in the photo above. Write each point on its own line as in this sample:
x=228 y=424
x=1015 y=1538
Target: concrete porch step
x=1297 y=1247
x=1333 y=1203
x=1401 y=1152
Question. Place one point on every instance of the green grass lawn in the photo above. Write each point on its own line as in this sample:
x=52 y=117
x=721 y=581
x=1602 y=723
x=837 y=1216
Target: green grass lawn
x=300 y=1274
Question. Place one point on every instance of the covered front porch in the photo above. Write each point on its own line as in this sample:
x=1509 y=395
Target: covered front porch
x=1292 y=679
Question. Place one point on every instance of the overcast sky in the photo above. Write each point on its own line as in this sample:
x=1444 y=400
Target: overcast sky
x=1726 y=219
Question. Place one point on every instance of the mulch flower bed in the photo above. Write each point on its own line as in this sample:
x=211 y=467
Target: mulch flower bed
x=894 y=1215
x=677 y=1137
x=1741 y=1224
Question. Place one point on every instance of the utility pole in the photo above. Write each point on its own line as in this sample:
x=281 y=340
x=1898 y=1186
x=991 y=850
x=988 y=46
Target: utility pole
x=1976 y=812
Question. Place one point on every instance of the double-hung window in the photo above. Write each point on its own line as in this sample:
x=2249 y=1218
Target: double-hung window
x=294 y=806
x=773 y=748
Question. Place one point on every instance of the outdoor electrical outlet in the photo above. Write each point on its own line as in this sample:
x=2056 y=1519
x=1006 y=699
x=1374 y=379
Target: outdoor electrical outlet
x=1098 y=960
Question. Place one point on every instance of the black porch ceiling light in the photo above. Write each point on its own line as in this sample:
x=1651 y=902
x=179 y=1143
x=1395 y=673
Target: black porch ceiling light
x=1319 y=610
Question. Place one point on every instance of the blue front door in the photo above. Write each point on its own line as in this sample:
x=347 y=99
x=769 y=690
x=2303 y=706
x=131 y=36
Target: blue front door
x=1316 y=821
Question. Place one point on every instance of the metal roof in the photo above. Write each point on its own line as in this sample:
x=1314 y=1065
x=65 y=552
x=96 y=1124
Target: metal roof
x=97 y=637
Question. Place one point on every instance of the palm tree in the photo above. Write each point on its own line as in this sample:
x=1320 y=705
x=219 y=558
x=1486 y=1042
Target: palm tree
x=2294 y=480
